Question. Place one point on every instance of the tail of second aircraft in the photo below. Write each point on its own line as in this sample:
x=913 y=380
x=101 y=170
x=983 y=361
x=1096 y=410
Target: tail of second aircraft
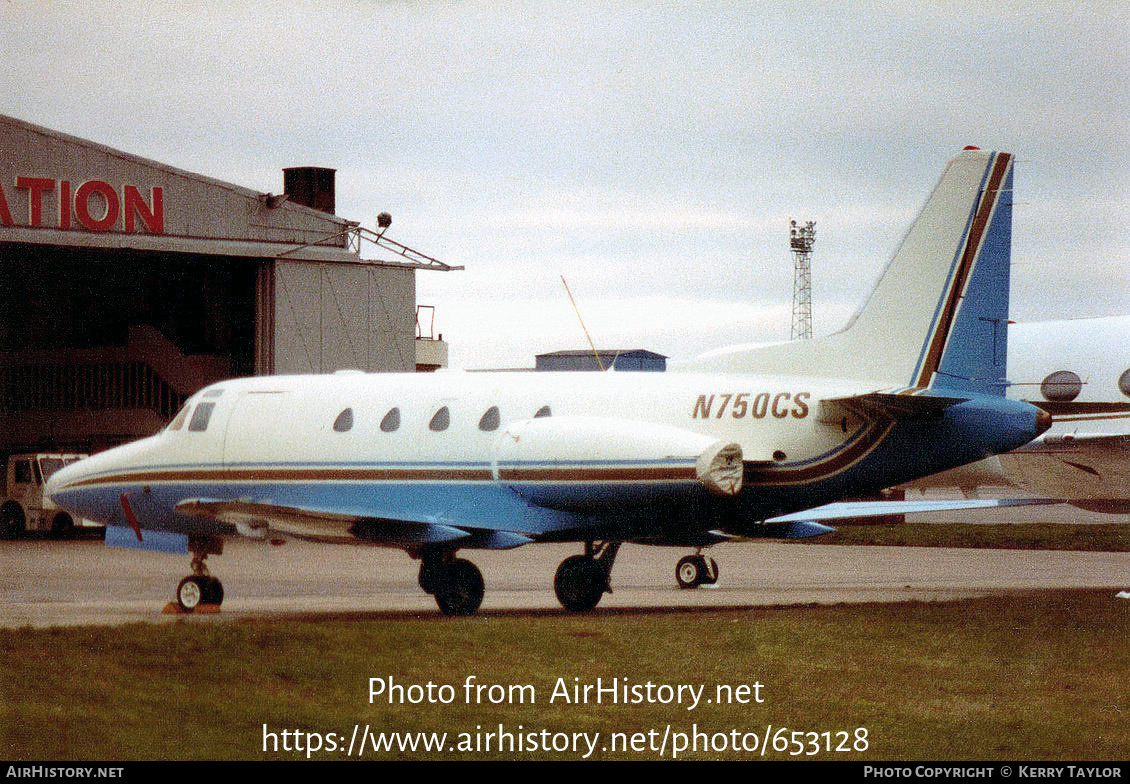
x=938 y=315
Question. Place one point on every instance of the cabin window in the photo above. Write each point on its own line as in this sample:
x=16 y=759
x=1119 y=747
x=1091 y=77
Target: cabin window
x=391 y=421
x=200 y=417
x=441 y=420
x=544 y=411
x=490 y=420
x=1124 y=383
x=344 y=421
x=1061 y=386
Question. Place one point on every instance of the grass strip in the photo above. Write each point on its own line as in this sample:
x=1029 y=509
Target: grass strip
x=1039 y=676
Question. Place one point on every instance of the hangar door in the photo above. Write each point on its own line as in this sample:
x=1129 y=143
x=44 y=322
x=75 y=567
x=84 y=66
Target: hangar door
x=340 y=316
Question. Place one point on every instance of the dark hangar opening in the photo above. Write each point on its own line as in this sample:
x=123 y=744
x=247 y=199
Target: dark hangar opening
x=100 y=346
x=90 y=298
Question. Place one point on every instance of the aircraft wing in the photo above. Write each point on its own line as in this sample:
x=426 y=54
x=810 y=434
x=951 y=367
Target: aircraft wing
x=1077 y=467
x=259 y=520
x=848 y=510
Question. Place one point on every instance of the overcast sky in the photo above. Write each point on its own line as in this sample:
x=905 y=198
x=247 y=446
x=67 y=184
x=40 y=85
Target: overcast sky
x=652 y=154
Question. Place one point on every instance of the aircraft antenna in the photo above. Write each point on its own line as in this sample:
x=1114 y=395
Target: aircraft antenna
x=577 y=310
x=801 y=240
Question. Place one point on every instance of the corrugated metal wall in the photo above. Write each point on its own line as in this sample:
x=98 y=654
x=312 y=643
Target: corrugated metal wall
x=333 y=316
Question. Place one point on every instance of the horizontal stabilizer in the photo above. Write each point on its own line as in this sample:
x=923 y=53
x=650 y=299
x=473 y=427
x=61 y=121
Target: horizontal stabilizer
x=883 y=405
x=1062 y=408
x=848 y=510
x=1113 y=445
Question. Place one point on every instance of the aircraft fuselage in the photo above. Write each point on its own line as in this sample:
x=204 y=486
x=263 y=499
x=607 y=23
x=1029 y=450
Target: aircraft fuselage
x=390 y=447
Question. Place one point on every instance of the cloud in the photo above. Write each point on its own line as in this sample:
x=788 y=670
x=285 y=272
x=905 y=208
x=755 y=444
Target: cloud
x=643 y=151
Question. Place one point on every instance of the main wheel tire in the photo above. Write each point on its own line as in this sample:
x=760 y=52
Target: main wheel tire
x=12 y=522
x=62 y=526
x=430 y=572
x=459 y=589
x=191 y=591
x=690 y=571
x=579 y=583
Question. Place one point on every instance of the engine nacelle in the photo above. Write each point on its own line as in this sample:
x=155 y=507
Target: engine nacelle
x=579 y=463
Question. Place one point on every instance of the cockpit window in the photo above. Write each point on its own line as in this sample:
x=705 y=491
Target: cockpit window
x=490 y=420
x=544 y=411
x=213 y=393
x=178 y=423
x=344 y=421
x=200 y=417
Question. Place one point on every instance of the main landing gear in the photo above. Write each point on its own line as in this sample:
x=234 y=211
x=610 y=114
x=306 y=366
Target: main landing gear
x=695 y=570
x=200 y=587
x=456 y=583
x=582 y=580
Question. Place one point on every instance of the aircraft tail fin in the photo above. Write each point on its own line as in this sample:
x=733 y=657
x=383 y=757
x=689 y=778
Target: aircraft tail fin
x=938 y=315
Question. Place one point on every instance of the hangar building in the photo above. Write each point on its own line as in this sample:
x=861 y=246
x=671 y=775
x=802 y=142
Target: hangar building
x=622 y=359
x=127 y=284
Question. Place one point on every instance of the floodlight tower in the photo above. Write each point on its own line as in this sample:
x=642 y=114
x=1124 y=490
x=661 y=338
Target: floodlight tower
x=801 y=239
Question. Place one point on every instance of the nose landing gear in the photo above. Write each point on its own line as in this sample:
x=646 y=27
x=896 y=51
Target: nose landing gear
x=200 y=587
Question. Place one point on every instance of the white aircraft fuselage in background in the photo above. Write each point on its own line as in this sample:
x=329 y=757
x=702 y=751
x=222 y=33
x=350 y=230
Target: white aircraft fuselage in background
x=1078 y=370
x=437 y=463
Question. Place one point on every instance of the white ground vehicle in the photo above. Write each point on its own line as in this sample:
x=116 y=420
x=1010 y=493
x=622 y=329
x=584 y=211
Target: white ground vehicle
x=23 y=505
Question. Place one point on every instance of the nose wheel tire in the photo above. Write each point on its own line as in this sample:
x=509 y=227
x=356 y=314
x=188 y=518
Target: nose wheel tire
x=190 y=593
x=196 y=589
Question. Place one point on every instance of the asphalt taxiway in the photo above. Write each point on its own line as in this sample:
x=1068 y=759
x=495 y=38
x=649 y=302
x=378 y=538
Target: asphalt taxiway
x=48 y=583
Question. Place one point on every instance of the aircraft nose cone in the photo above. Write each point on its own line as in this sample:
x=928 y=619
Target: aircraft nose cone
x=59 y=480
x=54 y=482
x=1043 y=421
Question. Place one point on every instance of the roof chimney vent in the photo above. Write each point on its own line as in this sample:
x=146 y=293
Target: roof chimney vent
x=310 y=185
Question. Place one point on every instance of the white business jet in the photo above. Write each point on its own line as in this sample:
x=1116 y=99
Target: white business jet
x=748 y=444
